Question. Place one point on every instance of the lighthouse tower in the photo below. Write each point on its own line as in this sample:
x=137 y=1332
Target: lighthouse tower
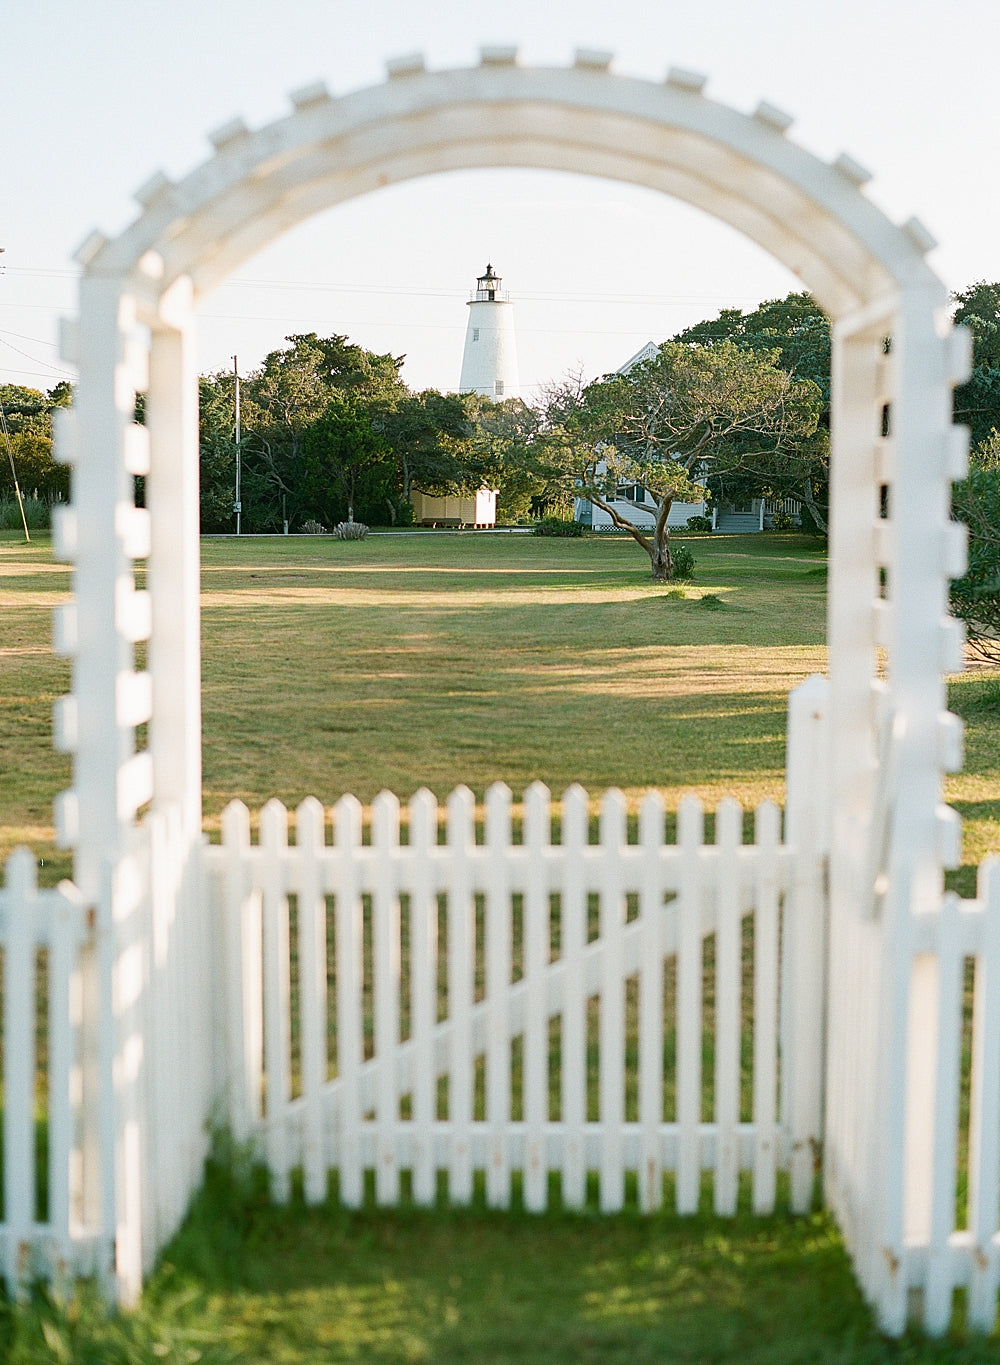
x=489 y=365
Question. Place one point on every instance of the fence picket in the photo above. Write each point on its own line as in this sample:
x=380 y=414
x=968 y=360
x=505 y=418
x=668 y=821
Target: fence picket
x=310 y=840
x=573 y=1038
x=386 y=956
x=423 y=992
x=729 y=839
x=611 y=1081
x=63 y=947
x=690 y=836
x=461 y=945
x=350 y=1037
x=19 y=1059
x=537 y=834
x=277 y=996
x=939 y=1283
x=498 y=979
x=765 y=1007
x=984 y=1110
x=244 y=1017
x=651 y=822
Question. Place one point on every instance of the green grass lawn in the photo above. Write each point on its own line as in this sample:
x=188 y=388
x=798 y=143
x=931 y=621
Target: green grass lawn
x=431 y=660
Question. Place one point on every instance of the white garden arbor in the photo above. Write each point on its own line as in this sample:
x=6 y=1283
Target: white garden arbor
x=133 y=816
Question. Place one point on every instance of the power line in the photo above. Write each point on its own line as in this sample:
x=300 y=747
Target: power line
x=67 y=374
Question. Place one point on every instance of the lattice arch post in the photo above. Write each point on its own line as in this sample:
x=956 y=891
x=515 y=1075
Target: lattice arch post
x=893 y=549
x=133 y=814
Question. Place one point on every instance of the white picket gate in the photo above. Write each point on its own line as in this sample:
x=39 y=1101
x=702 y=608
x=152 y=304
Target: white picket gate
x=473 y=981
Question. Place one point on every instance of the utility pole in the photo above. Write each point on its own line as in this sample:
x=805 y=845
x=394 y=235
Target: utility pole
x=237 y=505
x=10 y=456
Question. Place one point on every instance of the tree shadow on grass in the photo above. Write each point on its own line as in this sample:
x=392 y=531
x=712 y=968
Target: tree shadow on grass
x=448 y=1286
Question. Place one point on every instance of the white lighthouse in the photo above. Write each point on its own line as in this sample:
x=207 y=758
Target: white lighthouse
x=489 y=365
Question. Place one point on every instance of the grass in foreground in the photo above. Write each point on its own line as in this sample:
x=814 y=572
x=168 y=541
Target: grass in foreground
x=247 y=1282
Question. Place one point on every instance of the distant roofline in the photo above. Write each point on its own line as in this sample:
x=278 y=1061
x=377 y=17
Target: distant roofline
x=645 y=353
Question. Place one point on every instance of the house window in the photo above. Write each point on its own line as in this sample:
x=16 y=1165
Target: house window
x=498 y=388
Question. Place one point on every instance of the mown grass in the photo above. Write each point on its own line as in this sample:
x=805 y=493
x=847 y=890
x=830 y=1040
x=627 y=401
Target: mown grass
x=428 y=660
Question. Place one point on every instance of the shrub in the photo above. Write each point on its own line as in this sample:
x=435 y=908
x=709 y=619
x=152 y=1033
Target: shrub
x=37 y=513
x=314 y=528
x=783 y=521
x=350 y=530
x=699 y=523
x=558 y=526
x=683 y=562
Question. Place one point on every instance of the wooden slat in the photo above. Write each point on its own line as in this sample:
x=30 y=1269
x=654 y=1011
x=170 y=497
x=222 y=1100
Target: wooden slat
x=651 y=825
x=386 y=953
x=310 y=841
x=537 y=827
x=350 y=1038
x=984 y=1110
x=729 y=838
x=277 y=997
x=765 y=1008
x=461 y=945
x=19 y=1059
x=498 y=980
x=244 y=1018
x=939 y=1285
x=423 y=991
x=690 y=835
x=63 y=948
x=573 y=923
x=611 y=1086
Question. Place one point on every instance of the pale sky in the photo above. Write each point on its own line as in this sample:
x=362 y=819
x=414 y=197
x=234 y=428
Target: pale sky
x=98 y=94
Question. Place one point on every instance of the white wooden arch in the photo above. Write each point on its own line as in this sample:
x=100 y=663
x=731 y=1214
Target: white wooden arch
x=892 y=548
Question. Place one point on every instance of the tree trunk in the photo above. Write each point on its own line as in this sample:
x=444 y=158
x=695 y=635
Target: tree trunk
x=809 y=498
x=660 y=558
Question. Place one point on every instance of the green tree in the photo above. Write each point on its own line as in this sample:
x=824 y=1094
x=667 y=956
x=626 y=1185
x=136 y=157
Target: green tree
x=673 y=420
x=795 y=326
x=343 y=456
x=975 y=597
x=798 y=330
x=288 y=392
x=428 y=434
x=503 y=454
x=977 y=403
x=28 y=421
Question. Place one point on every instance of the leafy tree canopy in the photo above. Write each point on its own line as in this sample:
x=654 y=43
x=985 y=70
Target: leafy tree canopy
x=689 y=411
x=975 y=597
x=795 y=327
x=977 y=403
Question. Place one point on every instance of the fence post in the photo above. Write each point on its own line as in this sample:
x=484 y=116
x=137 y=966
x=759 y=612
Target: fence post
x=803 y=985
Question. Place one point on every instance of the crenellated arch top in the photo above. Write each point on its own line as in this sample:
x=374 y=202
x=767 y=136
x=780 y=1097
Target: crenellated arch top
x=742 y=169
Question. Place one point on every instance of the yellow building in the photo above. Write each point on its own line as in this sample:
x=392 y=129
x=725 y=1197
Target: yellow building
x=472 y=509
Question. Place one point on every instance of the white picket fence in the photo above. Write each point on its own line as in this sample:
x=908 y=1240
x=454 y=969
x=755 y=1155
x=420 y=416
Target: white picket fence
x=930 y=1224
x=43 y=934
x=552 y=999
x=499 y=1006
